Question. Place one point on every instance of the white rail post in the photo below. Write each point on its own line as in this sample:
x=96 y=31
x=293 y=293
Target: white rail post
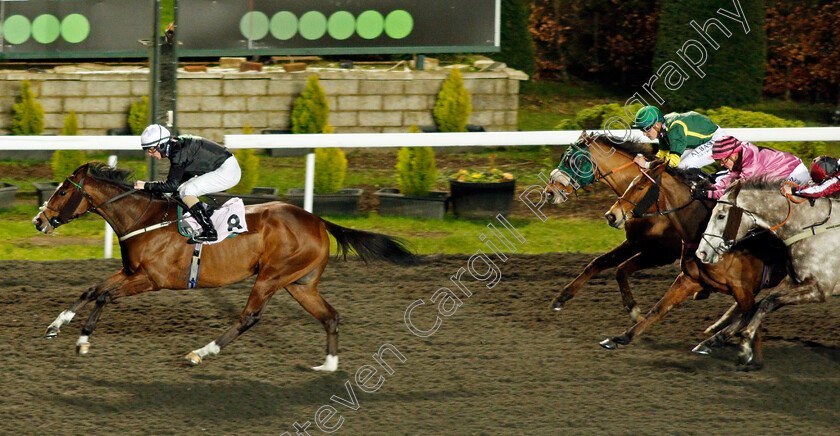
x=109 y=232
x=309 y=186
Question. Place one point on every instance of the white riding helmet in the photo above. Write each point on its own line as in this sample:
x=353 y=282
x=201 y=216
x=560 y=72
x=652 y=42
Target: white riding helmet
x=157 y=137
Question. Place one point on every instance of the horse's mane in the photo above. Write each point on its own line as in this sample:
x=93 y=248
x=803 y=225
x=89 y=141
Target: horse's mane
x=761 y=183
x=105 y=173
x=691 y=176
x=630 y=147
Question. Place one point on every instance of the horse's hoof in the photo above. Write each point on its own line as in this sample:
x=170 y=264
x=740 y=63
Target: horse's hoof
x=330 y=364
x=193 y=358
x=635 y=314
x=608 y=344
x=702 y=349
x=556 y=306
x=51 y=332
x=745 y=357
x=82 y=348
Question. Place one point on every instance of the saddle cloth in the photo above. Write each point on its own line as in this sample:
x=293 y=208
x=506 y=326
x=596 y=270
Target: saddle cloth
x=228 y=219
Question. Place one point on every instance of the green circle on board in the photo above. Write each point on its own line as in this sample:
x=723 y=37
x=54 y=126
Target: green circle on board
x=341 y=25
x=75 y=28
x=369 y=25
x=283 y=25
x=254 y=25
x=313 y=25
x=45 y=28
x=16 y=29
x=399 y=24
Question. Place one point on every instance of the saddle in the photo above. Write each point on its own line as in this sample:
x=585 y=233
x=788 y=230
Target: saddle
x=228 y=219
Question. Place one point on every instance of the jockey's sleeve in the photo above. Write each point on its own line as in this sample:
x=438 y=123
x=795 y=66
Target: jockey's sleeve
x=827 y=187
x=173 y=180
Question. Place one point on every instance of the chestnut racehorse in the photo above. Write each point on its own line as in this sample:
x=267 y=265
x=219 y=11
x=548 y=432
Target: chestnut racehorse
x=666 y=193
x=285 y=246
x=650 y=242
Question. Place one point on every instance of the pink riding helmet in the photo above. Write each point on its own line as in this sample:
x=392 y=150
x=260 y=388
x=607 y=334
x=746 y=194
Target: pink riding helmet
x=725 y=147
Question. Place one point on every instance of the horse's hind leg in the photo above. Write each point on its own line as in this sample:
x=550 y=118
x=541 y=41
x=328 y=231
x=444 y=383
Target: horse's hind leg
x=262 y=292
x=311 y=300
x=91 y=294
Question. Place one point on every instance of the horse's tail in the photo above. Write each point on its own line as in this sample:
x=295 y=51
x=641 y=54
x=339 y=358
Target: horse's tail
x=371 y=246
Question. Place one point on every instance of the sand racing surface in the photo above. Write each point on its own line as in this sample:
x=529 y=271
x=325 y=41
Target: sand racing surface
x=502 y=364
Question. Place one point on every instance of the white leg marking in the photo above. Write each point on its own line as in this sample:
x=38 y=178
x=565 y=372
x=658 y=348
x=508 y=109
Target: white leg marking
x=63 y=318
x=196 y=356
x=82 y=345
x=330 y=364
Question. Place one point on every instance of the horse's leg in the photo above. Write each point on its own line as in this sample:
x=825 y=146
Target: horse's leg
x=260 y=295
x=725 y=321
x=682 y=288
x=614 y=257
x=806 y=292
x=136 y=283
x=638 y=262
x=311 y=300
x=67 y=315
x=731 y=321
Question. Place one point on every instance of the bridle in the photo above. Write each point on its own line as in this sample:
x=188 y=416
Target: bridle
x=66 y=214
x=597 y=174
x=650 y=198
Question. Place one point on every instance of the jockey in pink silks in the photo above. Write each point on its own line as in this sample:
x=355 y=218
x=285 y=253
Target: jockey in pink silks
x=745 y=160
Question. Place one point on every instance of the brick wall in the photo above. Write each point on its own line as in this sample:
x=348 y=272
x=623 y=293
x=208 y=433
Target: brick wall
x=215 y=103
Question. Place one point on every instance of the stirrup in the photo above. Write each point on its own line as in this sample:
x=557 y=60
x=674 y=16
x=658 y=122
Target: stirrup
x=203 y=237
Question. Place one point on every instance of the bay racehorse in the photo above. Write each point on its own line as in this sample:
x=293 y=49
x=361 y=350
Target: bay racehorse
x=650 y=242
x=285 y=246
x=753 y=265
x=810 y=231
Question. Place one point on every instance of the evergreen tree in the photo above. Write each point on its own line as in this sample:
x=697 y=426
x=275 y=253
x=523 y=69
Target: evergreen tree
x=517 y=49
x=734 y=73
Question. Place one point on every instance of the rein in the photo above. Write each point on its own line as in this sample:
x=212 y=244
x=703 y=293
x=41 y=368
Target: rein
x=652 y=197
x=64 y=215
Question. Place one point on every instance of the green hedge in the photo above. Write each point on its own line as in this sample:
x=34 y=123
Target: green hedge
x=728 y=117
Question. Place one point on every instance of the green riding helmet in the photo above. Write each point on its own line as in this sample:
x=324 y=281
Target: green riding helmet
x=647 y=116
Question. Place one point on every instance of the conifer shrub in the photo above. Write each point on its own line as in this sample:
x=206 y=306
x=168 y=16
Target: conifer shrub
x=249 y=164
x=64 y=162
x=310 y=111
x=330 y=170
x=28 y=114
x=138 y=115
x=416 y=170
x=452 y=108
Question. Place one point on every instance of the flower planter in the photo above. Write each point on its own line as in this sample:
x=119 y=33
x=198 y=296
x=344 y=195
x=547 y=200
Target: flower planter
x=258 y=195
x=392 y=203
x=45 y=190
x=7 y=195
x=475 y=200
x=343 y=202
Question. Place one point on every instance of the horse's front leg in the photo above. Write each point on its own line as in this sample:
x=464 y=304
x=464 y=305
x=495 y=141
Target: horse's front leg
x=643 y=260
x=136 y=283
x=682 y=288
x=91 y=294
x=613 y=258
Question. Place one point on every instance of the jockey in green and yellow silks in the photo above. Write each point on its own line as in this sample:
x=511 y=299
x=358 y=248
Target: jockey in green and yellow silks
x=685 y=140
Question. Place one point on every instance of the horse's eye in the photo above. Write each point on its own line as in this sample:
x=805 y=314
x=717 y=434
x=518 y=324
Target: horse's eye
x=640 y=188
x=62 y=193
x=721 y=216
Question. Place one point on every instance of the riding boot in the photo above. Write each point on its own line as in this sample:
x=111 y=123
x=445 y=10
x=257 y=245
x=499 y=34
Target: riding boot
x=208 y=233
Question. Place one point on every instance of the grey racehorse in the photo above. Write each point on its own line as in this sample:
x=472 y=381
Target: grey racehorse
x=810 y=230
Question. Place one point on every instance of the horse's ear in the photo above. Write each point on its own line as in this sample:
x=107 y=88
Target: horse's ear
x=734 y=188
x=658 y=164
x=583 y=135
